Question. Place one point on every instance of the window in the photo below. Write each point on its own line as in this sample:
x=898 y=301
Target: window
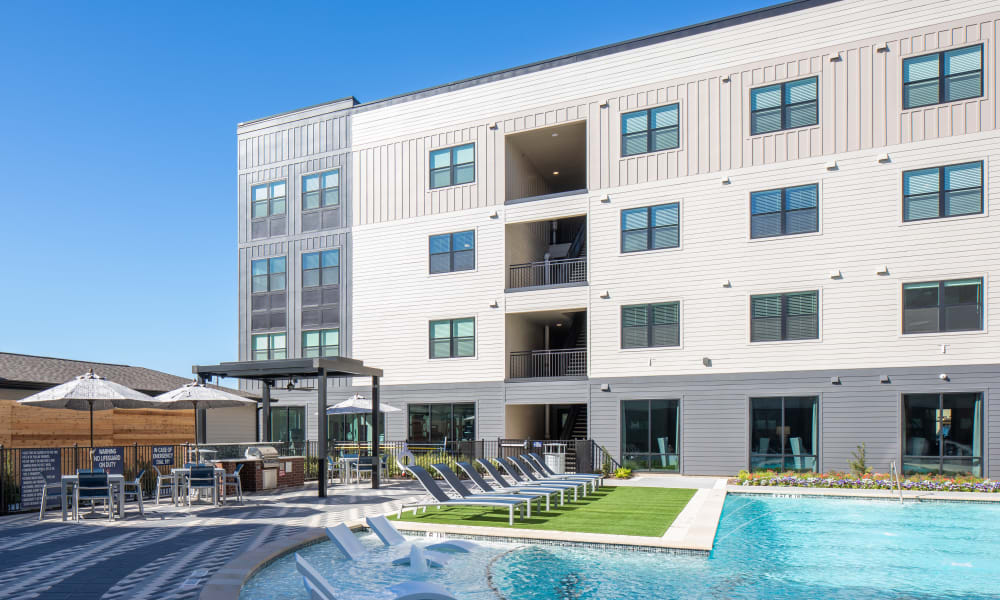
x=453 y=166
x=784 y=433
x=784 y=106
x=321 y=268
x=320 y=190
x=938 y=306
x=777 y=317
x=435 y=423
x=268 y=275
x=288 y=424
x=943 y=191
x=325 y=342
x=943 y=434
x=452 y=338
x=268 y=199
x=651 y=435
x=651 y=227
x=650 y=130
x=784 y=211
x=353 y=428
x=651 y=325
x=453 y=252
x=268 y=346
x=943 y=77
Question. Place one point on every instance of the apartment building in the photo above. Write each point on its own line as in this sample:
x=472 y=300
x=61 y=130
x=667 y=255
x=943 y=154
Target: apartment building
x=756 y=242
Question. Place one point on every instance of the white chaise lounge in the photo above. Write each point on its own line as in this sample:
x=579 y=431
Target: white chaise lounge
x=320 y=589
x=390 y=536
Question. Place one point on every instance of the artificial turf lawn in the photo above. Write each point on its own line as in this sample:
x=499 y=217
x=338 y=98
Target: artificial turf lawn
x=615 y=510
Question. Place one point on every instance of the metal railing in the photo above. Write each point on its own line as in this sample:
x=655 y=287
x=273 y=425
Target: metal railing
x=894 y=477
x=548 y=272
x=571 y=362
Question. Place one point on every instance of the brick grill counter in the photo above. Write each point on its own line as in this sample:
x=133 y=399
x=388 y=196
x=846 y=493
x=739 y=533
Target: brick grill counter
x=291 y=472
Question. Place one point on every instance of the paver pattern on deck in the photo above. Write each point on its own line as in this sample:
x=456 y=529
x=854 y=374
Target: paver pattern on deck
x=171 y=553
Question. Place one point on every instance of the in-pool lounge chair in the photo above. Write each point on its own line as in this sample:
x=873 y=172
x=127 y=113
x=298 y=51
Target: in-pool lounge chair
x=519 y=474
x=520 y=483
x=451 y=478
x=345 y=540
x=440 y=498
x=535 y=460
x=525 y=490
x=320 y=589
x=390 y=536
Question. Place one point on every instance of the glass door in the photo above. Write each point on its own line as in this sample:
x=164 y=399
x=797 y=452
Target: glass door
x=942 y=434
x=651 y=435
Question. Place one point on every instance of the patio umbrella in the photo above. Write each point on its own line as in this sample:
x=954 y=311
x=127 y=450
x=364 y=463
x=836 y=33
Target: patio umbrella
x=89 y=392
x=196 y=395
x=358 y=405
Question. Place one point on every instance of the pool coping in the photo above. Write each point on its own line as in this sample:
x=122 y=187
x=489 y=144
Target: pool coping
x=911 y=495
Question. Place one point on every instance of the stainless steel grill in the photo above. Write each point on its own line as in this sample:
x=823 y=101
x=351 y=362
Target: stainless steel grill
x=267 y=454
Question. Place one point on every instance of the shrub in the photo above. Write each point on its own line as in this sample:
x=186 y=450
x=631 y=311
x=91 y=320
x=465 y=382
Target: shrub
x=859 y=466
x=623 y=473
x=11 y=487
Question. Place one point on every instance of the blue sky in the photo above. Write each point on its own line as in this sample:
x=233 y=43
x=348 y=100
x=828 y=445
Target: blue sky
x=118 y=145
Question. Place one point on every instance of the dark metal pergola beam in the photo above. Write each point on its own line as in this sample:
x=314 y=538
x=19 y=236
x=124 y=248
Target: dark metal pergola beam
x=267 y=371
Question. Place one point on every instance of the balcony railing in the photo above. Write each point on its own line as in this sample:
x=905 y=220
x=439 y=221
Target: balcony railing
x=548 y=363
x=548 y=272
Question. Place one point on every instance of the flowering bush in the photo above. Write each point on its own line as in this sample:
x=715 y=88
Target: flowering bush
x=870 y=481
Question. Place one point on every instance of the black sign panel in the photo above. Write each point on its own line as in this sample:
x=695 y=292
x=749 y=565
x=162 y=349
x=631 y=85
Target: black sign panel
x=110 y=459
x=163 y=456
x=38 y=467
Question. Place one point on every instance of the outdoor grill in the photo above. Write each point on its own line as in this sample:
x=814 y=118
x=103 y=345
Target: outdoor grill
x=267 y=454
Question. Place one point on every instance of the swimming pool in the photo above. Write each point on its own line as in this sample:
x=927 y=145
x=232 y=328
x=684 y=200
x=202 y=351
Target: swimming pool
x=766 y=547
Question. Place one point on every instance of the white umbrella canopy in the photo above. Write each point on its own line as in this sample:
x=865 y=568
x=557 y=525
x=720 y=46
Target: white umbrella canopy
x=89 y=392
x=194 y=395
x=357 y=405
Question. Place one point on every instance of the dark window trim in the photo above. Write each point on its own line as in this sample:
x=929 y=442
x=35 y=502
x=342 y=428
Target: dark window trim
x=819 y=430
x=453 y=341
x=649 y=430
x=941 y=455
x=783 y=105
x=941 y=191
x=321 y=191
x=270 y=199
x=784 y=211
x=941 y=77
x=650 y=131
x=784 y=316
x=650 y=229
x=940 y=305
x=269 y=274
x=451 y=419
x=451 y=251
x=320 y=268
x=649 y=325
x=452 y=166
x=270 y=345
x=320 y=347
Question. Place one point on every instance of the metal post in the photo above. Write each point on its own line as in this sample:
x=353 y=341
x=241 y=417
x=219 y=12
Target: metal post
x=376 y=431
x=265 y=397
x=321 y=429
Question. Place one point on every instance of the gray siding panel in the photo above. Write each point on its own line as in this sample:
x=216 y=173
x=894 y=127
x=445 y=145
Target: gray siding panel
x=547 y=392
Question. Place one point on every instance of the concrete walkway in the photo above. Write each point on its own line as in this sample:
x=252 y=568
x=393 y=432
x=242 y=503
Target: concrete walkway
x=171 y=553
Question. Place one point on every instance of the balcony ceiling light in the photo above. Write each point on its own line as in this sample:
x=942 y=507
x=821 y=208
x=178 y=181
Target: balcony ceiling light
x=555 y=172
x=555 y=135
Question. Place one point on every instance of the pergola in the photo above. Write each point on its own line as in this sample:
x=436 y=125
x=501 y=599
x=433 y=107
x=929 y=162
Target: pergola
x=267 y=372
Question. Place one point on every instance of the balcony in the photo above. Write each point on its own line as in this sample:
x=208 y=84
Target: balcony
x=548 y=272
x=546 y=253
x=551 y=343
x=546 y=161
x=571 y=362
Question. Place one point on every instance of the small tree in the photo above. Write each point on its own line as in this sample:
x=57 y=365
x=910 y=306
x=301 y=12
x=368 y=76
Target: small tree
x=859 y=466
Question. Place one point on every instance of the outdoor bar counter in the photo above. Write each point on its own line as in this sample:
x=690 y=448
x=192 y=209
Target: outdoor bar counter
x=258 y=474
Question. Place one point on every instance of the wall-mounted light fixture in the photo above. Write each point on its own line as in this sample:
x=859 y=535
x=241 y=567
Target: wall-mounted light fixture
x=606 y=104
x=883 y=48
x=606 y=200
x=494 y=214
x=832 y=166
x=726 y=180
x=884 y=378
x=605 y=387
x=836 y=58
x=495 y=126
x=727 y=284
x=495 y=303
x=836 y=274
x=883 y=271
x=884 y=158
x=605 y=294
x=835 y=380
x=944 y=377
x=727 y=79
x=706 y=361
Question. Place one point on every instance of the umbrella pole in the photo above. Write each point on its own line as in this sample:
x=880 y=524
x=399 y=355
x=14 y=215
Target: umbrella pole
x=91 y=428
x=197 y=455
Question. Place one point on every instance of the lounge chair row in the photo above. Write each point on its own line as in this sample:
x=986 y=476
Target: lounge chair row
x=531 y=480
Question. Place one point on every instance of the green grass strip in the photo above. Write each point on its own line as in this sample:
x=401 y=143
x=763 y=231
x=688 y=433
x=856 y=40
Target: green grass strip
x=613 y=510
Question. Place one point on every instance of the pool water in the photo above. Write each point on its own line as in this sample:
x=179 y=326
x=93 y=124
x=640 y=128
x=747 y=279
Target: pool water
x=773 y=548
